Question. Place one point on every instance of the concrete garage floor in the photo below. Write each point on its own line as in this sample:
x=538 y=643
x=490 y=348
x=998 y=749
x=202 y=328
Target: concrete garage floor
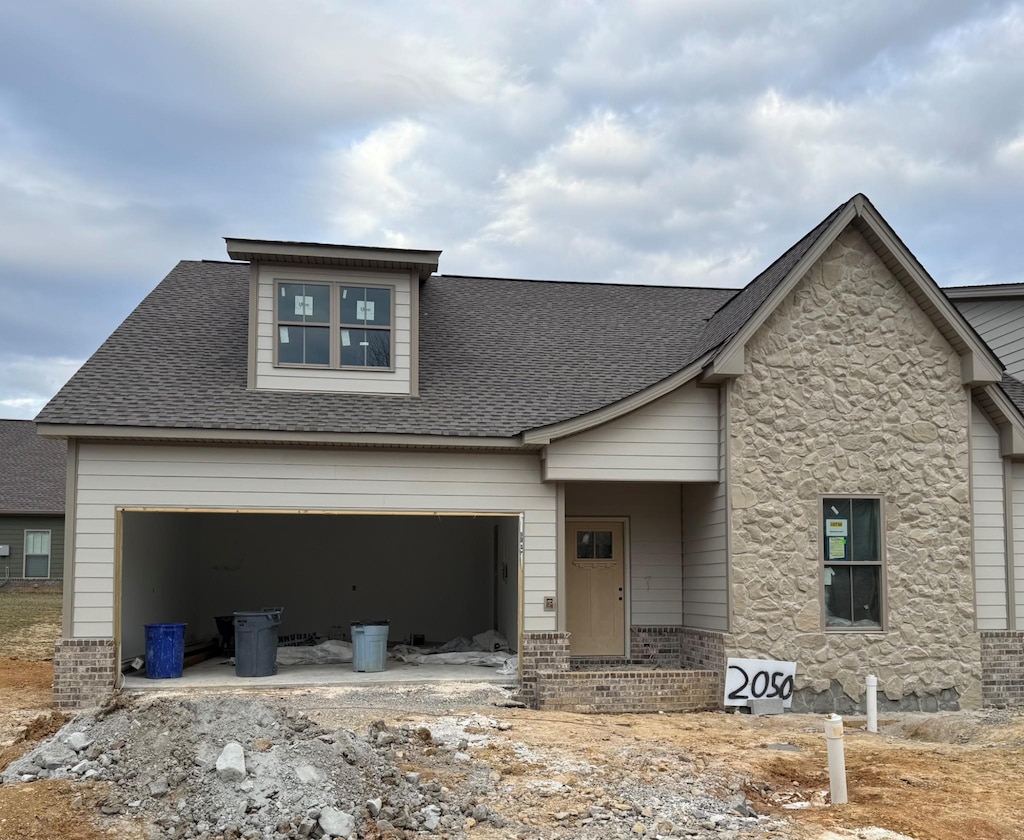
x=214 y=674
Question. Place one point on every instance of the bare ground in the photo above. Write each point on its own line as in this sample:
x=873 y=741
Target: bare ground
x=943 y=776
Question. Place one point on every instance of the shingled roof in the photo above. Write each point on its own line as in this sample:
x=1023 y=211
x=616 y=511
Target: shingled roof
x=1014 y=389
x=497 y=356
x=32 y=470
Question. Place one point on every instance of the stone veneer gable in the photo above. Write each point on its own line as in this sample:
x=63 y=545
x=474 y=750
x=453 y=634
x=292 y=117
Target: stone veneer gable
x=850 y=389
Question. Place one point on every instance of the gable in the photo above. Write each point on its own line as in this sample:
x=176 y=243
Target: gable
x=850 y=323
x=979 y=365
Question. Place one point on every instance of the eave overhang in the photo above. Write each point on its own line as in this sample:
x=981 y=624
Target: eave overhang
x=423 y=263
x=1006 y=417
x=260 y=437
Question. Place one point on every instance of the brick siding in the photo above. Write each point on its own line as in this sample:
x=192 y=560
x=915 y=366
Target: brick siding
x=658 y=646
x=84 y=672
x=1002 y=668
x=702 y=650
x=548 y=652
x=629 y=691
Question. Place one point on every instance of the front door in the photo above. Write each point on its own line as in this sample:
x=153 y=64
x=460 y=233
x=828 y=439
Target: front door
x=595 y=588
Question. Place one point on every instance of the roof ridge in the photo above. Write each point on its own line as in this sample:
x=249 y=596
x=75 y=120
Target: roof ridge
x=583 y=282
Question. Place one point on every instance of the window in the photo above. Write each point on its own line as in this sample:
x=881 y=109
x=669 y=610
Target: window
x=365 y=326
x=593 y=544
x=852 y=562
x=334 y=325
x=37 y=554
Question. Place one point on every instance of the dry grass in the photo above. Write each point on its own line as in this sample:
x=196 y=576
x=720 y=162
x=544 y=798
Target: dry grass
x=29 y=624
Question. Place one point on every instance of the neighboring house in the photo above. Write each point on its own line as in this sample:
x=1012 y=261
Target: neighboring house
x=32 y=485
x=614 y=476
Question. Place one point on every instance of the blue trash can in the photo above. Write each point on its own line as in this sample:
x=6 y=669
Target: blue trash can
x=369 y=645
x=165 y=650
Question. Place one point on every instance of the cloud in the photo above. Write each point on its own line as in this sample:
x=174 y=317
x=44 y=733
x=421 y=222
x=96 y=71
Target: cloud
x=28 y=382
x=660 y=142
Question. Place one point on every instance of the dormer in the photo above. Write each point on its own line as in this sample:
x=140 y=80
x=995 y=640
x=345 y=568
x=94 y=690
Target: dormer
x=333 y=318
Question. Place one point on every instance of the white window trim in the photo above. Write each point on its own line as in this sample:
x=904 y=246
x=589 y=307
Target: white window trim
x=49 y=554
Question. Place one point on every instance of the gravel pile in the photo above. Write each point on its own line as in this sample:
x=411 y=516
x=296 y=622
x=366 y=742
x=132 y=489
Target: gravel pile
x=224 y=767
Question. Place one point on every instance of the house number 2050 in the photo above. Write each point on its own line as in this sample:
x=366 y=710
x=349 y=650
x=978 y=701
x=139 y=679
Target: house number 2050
x=756 y=679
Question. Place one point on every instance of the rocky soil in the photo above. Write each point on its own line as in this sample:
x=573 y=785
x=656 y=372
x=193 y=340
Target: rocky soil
x=231 y=766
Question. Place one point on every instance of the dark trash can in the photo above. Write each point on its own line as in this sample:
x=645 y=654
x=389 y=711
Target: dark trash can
x=256 y=642
x=165 y=650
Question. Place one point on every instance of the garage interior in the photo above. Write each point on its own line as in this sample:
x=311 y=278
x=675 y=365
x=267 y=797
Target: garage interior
x=434 y=577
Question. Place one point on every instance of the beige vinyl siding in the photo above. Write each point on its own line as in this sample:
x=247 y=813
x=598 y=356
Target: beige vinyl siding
x=12 y=533
x=1017 y=496
x=367 y=381
x=674 y=438
x=279 y=478
x=705 y=547
x=989 y=523
x=1001 y=324
x=655 y=555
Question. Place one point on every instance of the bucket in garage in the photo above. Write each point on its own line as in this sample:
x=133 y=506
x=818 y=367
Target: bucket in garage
x=256 y=642
x=369 y=645
x=165 y=650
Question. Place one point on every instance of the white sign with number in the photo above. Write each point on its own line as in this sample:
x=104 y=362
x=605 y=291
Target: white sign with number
x=758 y=679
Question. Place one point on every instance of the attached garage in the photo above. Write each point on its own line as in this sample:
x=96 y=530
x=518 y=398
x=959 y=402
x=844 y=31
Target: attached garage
x=433 y=576
x=430 y=541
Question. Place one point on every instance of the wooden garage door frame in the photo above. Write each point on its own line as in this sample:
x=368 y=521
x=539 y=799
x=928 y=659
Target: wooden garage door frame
x=119 y=546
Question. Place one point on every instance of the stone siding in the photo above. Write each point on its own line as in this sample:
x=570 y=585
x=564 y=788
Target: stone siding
x=1002 y=666
x=850 y=389
x=629 y=691
x=84 y=672
x=835 y=699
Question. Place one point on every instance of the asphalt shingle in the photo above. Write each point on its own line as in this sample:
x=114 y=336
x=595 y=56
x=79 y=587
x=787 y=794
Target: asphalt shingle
x=1014 y=389
x=32 y=469
x=496 y=357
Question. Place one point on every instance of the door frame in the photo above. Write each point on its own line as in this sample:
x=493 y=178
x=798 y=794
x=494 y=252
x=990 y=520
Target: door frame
x=626 y=569
x=121 y=510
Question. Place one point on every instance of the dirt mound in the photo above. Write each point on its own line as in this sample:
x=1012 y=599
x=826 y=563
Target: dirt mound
x=244 y=766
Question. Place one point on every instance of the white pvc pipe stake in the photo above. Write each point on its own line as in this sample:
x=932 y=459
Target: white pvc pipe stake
x=871 y=702
x=836 y=759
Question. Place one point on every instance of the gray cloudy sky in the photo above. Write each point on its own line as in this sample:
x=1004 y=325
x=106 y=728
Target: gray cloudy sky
x=656 y=142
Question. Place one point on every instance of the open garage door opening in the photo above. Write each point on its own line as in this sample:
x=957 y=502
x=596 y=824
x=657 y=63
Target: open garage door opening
x=435 y=578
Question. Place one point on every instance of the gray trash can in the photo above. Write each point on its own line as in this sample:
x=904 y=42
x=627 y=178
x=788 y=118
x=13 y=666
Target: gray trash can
x=369 y=645
x=256 y=642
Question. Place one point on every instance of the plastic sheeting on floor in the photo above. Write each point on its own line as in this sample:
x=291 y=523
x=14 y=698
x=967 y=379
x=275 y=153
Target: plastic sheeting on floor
x=488 y=649
x=331 y=652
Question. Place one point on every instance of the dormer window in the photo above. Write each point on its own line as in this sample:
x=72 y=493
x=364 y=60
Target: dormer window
x=366 y=326
x=334 y=325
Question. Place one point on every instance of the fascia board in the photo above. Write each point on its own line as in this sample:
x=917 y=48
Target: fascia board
x=1010 y=422
x=732 y=349
x=980 y=363
x=272 y=437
